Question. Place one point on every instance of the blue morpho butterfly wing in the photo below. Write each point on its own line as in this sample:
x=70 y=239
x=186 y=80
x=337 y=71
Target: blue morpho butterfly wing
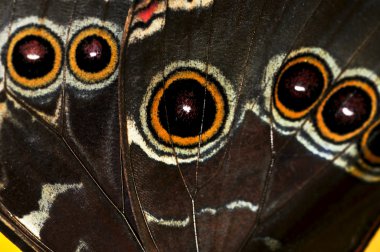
x=197 y=125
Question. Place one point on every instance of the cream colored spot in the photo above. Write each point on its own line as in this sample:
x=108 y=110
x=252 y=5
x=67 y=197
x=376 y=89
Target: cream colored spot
x=179 y=223
x=35 y=220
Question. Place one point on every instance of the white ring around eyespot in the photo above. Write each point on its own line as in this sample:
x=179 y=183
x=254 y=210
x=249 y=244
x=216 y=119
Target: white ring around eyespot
x=353 y=151
x=283 y=124
x=58 y=30
x=309 y=136
x=78 y=25
x=163 y=153
x=311 y=132
x=265 y=110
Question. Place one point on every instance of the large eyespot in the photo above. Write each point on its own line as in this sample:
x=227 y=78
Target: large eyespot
x=186 y=106
x=300 y=85
x=34 y=56
x=93 y=54
x=370 y=144
x=347 y=110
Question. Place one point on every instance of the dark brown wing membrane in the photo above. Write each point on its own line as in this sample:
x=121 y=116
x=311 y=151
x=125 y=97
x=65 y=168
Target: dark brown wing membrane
x=48 y=188
x=315 y=211
x=60 y=159
x=262 y=191
x=161 y=125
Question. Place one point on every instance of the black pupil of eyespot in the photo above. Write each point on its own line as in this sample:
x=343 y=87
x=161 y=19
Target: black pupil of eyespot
x=93 y=54
x=373 y=142
x=185 y=103
x=347 y=110
x=300 y=86
x=33 y=57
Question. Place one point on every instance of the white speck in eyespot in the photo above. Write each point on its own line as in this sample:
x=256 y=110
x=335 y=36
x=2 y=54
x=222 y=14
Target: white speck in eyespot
x=348 y=112
x=299 y=88
x=33 y=51
x=186 y=108
x=33 y=57
x=93 y=54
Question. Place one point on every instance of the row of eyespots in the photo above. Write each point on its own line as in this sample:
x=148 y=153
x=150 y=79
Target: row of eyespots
x=186 y=108
x=342 y=110
x=34 y=55
x=342 y=114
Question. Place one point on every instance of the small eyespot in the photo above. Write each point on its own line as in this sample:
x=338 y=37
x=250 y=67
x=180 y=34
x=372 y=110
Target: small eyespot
x=34 y=56
x=300 y=85
x=370 y=144
x=187 y=108
x=93 y=54
x=347 y=110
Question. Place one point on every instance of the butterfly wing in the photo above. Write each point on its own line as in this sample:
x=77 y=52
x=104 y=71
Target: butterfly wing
x=56 y=170
x=236 y=194
x=187 y=144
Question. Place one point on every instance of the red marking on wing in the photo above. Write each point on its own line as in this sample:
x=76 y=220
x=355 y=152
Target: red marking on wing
x=147 y=13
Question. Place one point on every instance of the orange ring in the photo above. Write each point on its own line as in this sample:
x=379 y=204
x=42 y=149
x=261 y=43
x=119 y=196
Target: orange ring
x=304 y=59
x=367 y=153
x=364 y=171
x=49 y=77
x=104 y=73
x=187 y=141
x=348 y=83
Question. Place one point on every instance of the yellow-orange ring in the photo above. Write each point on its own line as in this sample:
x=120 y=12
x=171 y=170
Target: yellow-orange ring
x=104 y=73
x=364 y=172
x=364 y=166
x=366 y=152
x=44 y=33
x=188 y=141
x=347 y=83
x=288 y=113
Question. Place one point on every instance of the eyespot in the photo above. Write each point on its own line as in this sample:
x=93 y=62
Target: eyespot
x=185 y=106
x=34 y=56
x=300 y=85
x=347 y=110
x=93 y=54
x=344 y=151
x=370 y=144
x=293 y=85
